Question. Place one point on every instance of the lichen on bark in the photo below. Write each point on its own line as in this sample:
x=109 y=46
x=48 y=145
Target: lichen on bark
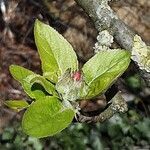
x=104 y=41
x=141 y=53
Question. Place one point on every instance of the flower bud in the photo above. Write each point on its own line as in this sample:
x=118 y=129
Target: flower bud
x=76 y=76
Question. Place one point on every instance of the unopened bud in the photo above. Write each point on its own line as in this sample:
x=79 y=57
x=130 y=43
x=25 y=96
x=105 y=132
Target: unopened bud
x=77 y=76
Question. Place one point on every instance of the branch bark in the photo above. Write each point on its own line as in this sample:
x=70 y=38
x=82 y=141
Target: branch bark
x=118 y=105
x=105 y=19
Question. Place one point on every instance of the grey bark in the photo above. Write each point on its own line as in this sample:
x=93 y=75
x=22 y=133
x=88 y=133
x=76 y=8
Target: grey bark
x=105 y=19
x=118 y=105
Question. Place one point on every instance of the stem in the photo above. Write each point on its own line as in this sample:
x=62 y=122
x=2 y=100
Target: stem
x=118 y=105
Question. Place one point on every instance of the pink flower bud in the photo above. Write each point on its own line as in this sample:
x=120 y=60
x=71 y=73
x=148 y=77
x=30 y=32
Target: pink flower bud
x=76 y=76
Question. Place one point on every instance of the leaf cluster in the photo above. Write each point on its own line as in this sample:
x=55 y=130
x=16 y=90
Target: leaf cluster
x=62 y=82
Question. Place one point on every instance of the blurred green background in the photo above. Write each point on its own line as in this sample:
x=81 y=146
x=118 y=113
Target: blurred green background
x=129 y=131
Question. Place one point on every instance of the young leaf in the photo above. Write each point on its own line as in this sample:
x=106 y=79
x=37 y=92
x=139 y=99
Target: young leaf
x=20 y=74
x=46 y=118
x=48 y=86
x=27 y=78
x=56 y=53
x=16 y=104
x=103 y=69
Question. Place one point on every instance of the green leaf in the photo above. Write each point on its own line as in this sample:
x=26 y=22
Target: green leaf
x=103 y=69
x=16 y=104
x=56 y=53
x=48 y=86
x=20 y=74
x=28 y=79
x=46 y=118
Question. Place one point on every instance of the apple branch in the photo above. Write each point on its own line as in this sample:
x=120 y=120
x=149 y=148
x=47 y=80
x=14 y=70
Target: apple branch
x=118 y=105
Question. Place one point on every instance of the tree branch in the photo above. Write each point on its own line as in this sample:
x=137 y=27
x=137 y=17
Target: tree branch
x=118 y=105
x=105 y=19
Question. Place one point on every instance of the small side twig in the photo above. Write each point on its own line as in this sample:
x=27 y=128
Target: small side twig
x=118 y=105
